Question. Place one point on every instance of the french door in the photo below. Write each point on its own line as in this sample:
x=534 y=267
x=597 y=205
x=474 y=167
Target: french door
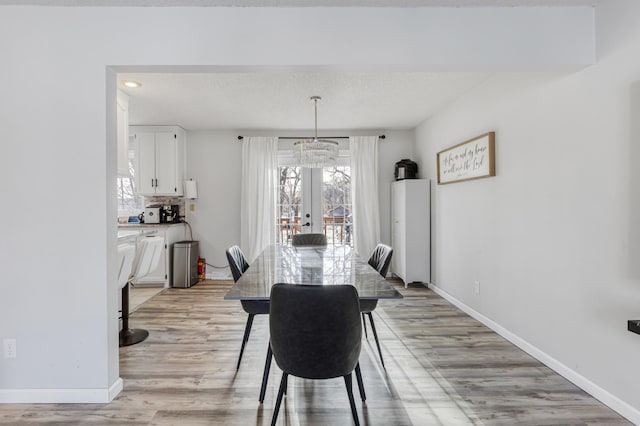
x=315 y=201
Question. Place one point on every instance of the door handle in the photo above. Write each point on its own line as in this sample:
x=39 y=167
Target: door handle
x=306 y=224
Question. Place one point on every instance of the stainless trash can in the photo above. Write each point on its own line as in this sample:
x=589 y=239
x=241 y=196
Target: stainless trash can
x=185 y=263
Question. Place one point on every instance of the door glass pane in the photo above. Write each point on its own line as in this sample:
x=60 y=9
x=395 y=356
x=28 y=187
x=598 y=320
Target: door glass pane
x=289 y=203
x=336 y=198
x=314 y=200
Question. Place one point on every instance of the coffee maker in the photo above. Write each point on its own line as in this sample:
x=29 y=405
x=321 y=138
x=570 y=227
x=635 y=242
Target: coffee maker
x=170 y=213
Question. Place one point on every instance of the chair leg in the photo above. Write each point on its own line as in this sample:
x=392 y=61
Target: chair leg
x=347 y=382
x=286 y=386
x=265 y=375
x=360 y=383
x=375 y=335
x=247 y=330
x=364 y=324
x=276 y=409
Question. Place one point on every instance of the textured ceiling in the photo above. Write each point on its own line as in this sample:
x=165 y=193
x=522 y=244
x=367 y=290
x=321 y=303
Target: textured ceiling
x=308 y=3
x=350 y=100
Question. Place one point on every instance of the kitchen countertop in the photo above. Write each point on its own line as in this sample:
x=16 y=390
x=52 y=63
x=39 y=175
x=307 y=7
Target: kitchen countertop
x=147 y=225
x=131 y=231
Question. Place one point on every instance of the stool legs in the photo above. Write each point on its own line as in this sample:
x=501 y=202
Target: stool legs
x=129 y=336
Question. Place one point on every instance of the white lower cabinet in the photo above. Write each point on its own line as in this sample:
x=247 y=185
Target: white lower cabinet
x=164 y=272
x=410 y=230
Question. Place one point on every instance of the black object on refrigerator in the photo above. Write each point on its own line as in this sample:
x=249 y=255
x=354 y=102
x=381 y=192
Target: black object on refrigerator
x=406 y=169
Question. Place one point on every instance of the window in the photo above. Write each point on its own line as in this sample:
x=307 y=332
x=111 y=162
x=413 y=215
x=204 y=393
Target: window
x=128 y=202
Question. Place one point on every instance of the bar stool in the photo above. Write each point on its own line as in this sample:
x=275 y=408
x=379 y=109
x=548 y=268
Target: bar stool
x=147 y=260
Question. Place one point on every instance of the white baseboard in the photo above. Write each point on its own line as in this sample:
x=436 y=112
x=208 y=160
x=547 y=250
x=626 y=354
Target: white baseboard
x=61 y=396
x=116 y=388
x=610 y=400
x=219 y=275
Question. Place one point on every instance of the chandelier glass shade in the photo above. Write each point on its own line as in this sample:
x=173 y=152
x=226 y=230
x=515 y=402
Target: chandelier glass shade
x=315 y=153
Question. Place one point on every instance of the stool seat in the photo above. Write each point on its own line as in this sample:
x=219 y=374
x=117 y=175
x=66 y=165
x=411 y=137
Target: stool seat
x=126 y=253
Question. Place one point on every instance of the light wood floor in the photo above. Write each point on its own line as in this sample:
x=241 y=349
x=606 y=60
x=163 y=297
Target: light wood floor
x=443 y=368
x=139 y=295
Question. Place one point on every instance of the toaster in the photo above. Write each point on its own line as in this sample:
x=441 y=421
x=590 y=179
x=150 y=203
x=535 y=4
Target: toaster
x=152 y=214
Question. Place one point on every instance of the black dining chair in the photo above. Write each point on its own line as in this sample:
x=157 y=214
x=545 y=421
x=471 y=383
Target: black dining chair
x=380 y=260
x=315 y=334
x=238 y=265
x=309 y=240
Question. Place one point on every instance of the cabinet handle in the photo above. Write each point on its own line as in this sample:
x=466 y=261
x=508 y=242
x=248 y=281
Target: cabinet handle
x=152 y=182
x=156 y=183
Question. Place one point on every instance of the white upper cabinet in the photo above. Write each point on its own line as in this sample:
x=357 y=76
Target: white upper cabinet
x=122 y=103
x=160 y=158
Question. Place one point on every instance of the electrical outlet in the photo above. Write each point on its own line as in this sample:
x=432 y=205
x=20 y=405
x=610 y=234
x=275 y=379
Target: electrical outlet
x=192 y=207
x=477 y=287
x=9 y=348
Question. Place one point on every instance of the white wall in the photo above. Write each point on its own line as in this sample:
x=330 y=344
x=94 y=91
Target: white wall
x=553 y=238
x=399 y=144
x=57 y=115
x=214 y=159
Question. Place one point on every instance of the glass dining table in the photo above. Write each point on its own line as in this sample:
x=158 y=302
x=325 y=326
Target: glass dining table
x=309 y=265
x=312 y=265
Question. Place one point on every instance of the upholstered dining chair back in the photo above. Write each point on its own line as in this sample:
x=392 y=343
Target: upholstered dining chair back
x=237 y=262
x=315 y=330
x=309 y=240
x=381 y=259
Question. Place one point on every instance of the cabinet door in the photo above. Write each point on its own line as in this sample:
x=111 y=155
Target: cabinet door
x=159 y=275
x=417 y=224
x=146 y=159
x=166 y=163
x=398 y=229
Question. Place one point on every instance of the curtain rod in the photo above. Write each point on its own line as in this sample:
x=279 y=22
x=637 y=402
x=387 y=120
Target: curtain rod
x=307 y=137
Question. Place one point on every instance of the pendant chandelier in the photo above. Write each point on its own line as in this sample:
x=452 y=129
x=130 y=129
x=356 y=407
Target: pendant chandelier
x=315 y=153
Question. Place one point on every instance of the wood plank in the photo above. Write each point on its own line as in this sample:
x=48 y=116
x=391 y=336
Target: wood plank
x=443 y=368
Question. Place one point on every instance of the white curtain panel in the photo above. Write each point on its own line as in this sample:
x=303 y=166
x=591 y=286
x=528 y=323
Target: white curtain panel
x=364 y=193
x=258 y=194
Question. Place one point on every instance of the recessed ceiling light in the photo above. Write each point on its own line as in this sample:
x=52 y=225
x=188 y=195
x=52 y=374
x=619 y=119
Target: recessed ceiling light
x=131 y=83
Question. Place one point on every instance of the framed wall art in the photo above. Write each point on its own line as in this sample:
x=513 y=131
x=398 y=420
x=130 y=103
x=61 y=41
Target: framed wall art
x=472 y=159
